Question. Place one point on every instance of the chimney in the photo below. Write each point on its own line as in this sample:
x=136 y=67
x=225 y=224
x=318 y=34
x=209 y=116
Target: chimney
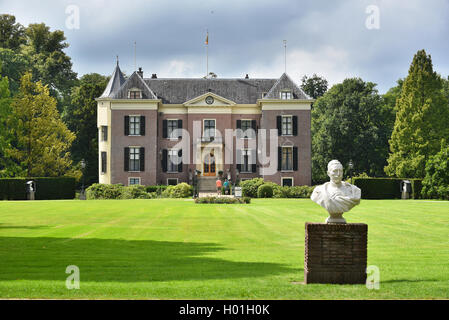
x=154 y=76
x=140 y=72
x=247 y=77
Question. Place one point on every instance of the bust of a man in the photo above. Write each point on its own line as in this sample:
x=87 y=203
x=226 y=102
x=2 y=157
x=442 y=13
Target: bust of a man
x=336 y=196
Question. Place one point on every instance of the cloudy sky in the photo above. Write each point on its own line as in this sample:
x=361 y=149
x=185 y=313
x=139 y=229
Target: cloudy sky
x=330 y=38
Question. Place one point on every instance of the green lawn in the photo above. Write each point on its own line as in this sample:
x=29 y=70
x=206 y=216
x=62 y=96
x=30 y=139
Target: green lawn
x=175 y=249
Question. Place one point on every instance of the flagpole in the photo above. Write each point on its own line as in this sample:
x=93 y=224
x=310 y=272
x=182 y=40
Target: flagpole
x=207 y=53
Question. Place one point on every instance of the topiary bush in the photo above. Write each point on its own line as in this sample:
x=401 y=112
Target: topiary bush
x=250 y=187
x=182 y=190
x=265 y=191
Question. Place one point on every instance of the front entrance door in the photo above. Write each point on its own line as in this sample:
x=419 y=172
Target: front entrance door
x=209 y=165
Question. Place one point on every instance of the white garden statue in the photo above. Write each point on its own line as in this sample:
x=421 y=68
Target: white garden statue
x=336 y=196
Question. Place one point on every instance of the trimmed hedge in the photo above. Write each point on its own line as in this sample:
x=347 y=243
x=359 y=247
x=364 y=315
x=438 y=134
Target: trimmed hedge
x=223 y=200
x=386 y=188
x=46 y=188
x=250 y=189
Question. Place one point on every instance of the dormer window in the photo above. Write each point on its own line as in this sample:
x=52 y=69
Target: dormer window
x=134 y=94
x=286 y=95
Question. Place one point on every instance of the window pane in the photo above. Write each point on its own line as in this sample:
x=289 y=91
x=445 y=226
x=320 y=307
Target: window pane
x=287 y=160
x=172 y=125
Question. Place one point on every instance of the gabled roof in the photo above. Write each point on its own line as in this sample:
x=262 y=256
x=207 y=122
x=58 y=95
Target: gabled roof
x=116 y=81
x=283 y=83
x=134 y=81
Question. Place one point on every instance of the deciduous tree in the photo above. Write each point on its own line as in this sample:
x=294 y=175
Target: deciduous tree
x=314 y=86
x=42 y=139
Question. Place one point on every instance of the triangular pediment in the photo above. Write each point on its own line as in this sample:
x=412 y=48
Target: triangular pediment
x=209 y=99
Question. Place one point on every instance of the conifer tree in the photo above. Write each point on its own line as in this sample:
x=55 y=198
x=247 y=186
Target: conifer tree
x=421 y=121
x=43 y=140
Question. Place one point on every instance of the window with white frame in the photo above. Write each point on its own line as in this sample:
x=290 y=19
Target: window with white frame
x=286 y=95
x=172 y=125
x=173 y=160
x=287 y=125
x=135 y=94
x=287 y=159
x=172 y=181
x=287 y=182
x=133 y=181
x=134 y=159
x=134 y=125
x=209 y=128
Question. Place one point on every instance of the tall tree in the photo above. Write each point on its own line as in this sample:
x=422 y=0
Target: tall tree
x=50 y=64
x=81 y=118
x=421 y=121
x=43 y=140
x=348 y=124
x=7 y=166
x=314 y=86
x=12 y=34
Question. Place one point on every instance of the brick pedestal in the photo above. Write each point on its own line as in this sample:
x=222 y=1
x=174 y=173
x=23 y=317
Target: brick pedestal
x=335 y=253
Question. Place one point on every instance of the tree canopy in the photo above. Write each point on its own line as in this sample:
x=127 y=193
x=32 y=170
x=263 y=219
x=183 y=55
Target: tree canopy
x=314 y=86
x=42 y=139
x=421 y=121
x=348 y=123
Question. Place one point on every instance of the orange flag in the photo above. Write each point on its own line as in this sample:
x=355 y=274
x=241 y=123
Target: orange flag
x=207 y=39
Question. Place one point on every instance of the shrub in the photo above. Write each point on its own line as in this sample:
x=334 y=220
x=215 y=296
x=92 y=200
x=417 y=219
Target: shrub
x=265 y=191
x=104 y=191
x=296 y=192
x=159 y=189
x=135 y=192
x=182 y=190
x=436 y=182
x=250 y=187
x=46 y=188
x=223 y=200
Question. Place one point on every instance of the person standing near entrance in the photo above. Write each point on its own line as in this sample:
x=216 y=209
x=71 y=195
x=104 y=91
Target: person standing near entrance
x=218 y=184
x=226 y=186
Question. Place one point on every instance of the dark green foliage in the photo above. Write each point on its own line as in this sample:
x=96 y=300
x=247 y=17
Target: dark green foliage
x=12 y=34
x=250 y=187
x=293 y=192
x=349 y=122
x=54 y=188
x=182 y=190
x=314 y=86
x=135 y=192
x=385 y=188
x=46 y=188
x=104 y=191
x=80 y=115
x=13 y=189
x=436 y=181
x=421 y=121
x=159 y=189
x=265 y=191
x=223 y=200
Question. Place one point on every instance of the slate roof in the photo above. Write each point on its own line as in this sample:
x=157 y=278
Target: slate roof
x=283 y=83
x=114 y=84
x=180 y=90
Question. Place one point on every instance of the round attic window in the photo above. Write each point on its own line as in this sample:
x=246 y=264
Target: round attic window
x=210 y=100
